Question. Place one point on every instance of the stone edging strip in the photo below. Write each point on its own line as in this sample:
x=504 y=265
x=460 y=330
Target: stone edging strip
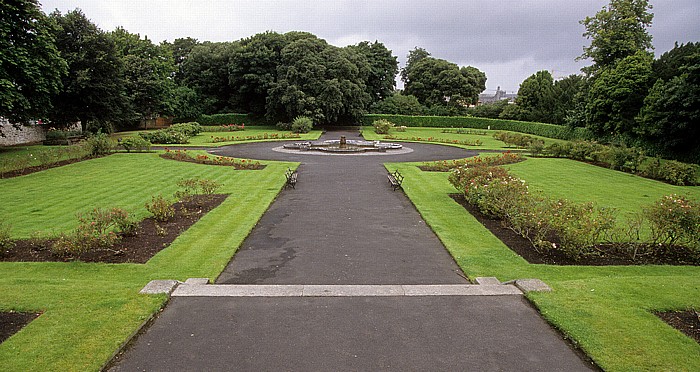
x=228 y=290
x=486 y=286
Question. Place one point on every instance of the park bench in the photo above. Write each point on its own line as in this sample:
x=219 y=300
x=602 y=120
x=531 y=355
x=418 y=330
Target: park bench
x=395 y=179
x=291 y=178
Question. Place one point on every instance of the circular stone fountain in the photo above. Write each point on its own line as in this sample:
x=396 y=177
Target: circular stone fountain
x=344 y=145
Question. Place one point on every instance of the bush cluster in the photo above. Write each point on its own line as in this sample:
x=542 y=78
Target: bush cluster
x=224 y=119
x=59 y=134
x=577 y=229
x=99 y=144
x=5 y=238
x=626 y=159
x=302 y=124
x=175 y=134
x=476 y=161
x=224 y=128
x=183 y=155
x=195 y=186
x=100 y=228
x=382 y=126
x=537 y=129
x=161 y=208
x=136 y=144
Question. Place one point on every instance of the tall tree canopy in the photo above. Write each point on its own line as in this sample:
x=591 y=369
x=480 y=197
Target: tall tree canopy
x=439 y=82
x=617 y=31
x=536 y=97
x=148 y=76
x=30 y=65
x=617 y=94
x=670 y=117
x=93 y=89
x=319 y=80
x=383 y=67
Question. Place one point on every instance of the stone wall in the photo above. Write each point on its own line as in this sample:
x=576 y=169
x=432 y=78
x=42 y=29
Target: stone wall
x=26 y=134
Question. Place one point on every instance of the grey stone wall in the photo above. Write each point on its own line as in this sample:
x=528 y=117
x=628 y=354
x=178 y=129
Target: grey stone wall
x=26 y=134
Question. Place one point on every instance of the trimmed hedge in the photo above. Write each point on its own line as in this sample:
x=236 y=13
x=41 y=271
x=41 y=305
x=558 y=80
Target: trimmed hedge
x=226 y=119
x=538 y=129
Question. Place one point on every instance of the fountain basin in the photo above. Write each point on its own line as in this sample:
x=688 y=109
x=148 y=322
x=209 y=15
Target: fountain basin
x=346 y=146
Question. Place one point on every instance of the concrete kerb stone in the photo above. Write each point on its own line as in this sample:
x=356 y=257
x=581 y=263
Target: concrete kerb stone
x=530 y=285
x=392 y=290
x=160 y=286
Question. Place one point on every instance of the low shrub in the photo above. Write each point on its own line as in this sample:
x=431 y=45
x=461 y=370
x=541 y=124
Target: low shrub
x=558 y=150
x=302 y=124
x=195 y=186
x=136 y=144
x=283 y=126
x=671 y=171
x=99 y=144
x=183 y=155
x=165 y=137
x=161 y=208
x=100 y=228
x=224 y=128
x=382 y=126
x=59 y=134
x=627 y=159
x=514 y=139
x=674 y=220
x=401 y=128
x=476 y=161
x=5 y=238
x=190 y=129
x=579 y=227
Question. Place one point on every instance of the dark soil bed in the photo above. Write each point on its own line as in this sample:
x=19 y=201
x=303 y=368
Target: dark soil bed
x=150 y=238
x=39 y=168
x=11 y=322
x=613 y=255
x=687 y=322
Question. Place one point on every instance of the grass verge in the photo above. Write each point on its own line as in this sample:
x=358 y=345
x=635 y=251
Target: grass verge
x=605 y=310
x=90 y=309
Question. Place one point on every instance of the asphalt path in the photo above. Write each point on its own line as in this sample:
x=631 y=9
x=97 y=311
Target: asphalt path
x=343 y=224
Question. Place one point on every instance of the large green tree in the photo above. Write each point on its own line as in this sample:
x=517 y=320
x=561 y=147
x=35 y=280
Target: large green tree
x=617 y=31
x=93 y=90
x=30 y=65
x=148 y=76
x=536 y=97
x=383 y=67
x=439 y=82
x=412 y=58
x=206 y=71
x=670 y=117
x=318 y=80
x=617 y=94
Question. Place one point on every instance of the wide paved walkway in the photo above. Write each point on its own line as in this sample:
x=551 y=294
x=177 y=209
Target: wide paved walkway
x=343 y=225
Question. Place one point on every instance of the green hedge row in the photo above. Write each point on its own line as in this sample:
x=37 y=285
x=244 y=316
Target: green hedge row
x=537 y=129
x=225 y=119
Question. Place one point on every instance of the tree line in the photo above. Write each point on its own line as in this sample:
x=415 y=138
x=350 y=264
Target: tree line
x=64 y=68
x=626 y=95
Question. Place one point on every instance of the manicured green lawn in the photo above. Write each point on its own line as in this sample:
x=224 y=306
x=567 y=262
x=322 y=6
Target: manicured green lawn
x=489 y=143
x=605 y=310
x=89 y=310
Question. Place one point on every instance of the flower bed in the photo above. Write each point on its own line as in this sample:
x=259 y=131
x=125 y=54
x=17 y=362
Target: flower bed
x=239 y=164
x=264 y=136
x=434 y=140
x=448 y=165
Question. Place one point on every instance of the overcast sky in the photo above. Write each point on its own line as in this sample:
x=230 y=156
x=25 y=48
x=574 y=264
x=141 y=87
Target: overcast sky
x=507 y=39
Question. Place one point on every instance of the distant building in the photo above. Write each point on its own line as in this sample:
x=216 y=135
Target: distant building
x=500 y=95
